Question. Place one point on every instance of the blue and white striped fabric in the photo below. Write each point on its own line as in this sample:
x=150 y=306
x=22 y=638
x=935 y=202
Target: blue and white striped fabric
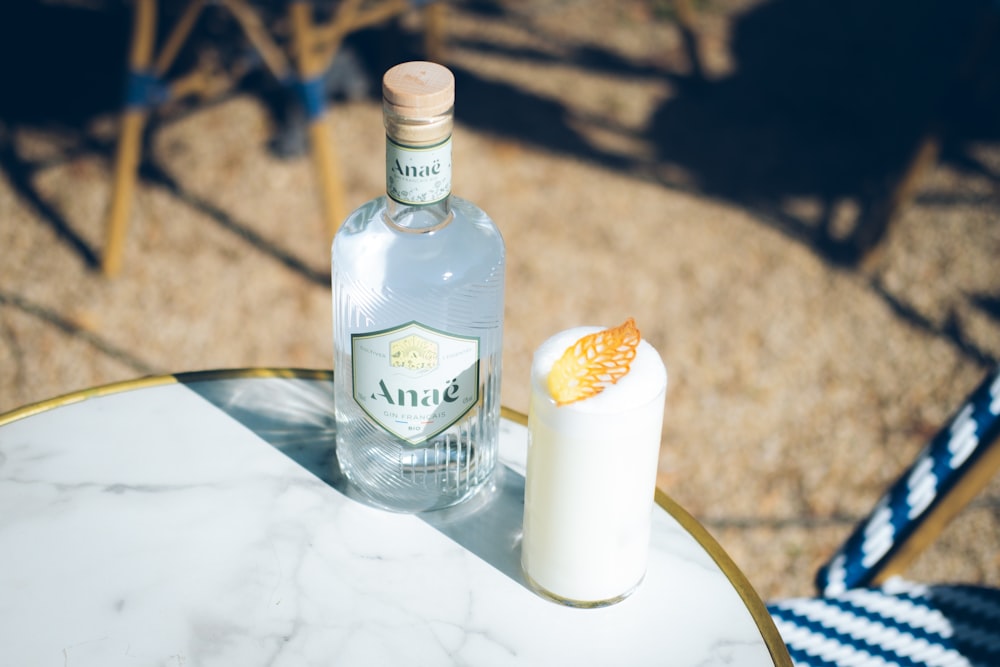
x=952 y=452
x=901 y=624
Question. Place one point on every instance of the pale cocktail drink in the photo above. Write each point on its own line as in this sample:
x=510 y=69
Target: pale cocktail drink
x=592 y=463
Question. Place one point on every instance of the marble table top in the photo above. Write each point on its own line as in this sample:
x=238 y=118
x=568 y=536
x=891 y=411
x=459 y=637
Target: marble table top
x=199 y=519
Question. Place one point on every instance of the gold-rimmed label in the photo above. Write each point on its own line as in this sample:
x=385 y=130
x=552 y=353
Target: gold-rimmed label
x=418 y=175
x=414 y=381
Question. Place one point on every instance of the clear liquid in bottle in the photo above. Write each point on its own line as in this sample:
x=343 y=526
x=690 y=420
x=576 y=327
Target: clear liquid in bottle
x=418 y=281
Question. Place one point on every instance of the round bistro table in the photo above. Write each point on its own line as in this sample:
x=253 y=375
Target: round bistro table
x=198 y=519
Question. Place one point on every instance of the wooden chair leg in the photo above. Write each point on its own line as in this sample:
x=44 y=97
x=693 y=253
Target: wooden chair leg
x=327 y=165
x=129 y=142
x=309 y=66
x=434 y=31
x=123 y=189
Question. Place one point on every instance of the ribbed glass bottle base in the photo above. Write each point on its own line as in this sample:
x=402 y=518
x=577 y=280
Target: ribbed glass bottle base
x=395 y=475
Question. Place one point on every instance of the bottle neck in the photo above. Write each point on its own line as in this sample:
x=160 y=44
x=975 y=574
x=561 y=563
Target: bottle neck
x=418 y=172
x=419 y=218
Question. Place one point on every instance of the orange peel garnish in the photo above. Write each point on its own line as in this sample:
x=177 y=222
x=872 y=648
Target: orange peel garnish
x=593 y=363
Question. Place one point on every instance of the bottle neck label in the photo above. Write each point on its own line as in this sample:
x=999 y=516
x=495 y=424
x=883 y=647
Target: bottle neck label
x=414 y=381
x=418 y=175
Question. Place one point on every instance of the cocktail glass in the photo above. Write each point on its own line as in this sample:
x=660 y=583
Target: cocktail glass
x=591 y=477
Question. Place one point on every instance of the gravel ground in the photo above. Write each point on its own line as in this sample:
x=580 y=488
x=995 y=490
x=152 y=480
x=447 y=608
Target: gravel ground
x=800 y=386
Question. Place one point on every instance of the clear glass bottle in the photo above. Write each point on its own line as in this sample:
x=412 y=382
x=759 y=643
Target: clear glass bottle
x=418 y=282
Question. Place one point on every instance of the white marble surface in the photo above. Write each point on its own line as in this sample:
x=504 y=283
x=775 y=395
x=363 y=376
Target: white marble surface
x=202 y=524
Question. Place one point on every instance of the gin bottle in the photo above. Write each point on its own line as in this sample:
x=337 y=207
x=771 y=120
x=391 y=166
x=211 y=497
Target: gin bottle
x=418 y=281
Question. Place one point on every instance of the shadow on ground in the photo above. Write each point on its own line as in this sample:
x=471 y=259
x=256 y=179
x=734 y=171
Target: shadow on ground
x=830 y=101
x=826 y=102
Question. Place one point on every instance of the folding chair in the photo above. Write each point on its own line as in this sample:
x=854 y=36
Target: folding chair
x=313 y=46
x=866 y=614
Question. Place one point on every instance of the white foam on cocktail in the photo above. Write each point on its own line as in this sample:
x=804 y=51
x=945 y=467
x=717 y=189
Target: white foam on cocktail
x=646 y=377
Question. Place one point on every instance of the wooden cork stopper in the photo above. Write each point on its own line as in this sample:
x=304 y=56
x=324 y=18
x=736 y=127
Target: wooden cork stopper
x=418 y=89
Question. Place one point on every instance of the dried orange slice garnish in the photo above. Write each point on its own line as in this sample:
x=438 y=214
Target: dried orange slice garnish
x=593 y=362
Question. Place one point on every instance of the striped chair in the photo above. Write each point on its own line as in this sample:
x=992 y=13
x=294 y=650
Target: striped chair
x=865 y=613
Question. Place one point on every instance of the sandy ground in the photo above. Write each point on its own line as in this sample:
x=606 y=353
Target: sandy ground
x=800 y=386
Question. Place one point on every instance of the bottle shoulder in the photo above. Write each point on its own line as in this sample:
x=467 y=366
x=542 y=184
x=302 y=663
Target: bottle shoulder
x=368 y=226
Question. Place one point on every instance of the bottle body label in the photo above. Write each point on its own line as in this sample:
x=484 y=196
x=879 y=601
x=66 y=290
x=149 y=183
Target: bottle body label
x=418 y=176
x=415 y=381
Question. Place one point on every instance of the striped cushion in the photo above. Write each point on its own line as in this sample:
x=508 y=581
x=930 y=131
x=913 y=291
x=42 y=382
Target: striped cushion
x=901 y=623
